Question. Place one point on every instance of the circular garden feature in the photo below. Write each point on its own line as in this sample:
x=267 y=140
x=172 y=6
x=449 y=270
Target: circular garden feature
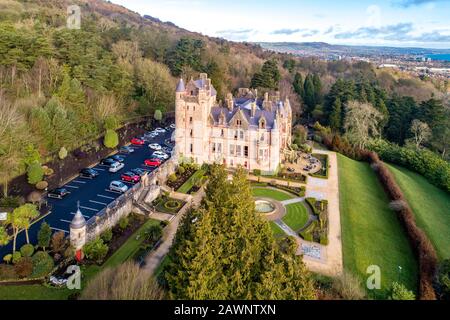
x=264 y=207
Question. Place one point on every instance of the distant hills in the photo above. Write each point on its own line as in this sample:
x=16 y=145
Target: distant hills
x=322 y=48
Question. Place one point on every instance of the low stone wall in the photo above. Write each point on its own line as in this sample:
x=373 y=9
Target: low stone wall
x=124 y=205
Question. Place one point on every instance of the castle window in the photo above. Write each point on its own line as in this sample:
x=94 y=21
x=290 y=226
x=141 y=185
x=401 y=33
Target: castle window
x=236 y=134
x=191 y=133
x=231 y=149
x=245 y=151
x=190 y=119
x=192 y=148
x=222 y=133
x=192 y=92
x=238 y=151
x=213 y=147
x=194 y=108
x=242 y=135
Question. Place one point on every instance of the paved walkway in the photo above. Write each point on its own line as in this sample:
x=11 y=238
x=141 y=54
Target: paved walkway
x=330 y=262
x=292 y=201
x=153 y=260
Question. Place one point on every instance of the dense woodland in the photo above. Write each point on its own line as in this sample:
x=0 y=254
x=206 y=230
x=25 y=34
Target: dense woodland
x=62 y=88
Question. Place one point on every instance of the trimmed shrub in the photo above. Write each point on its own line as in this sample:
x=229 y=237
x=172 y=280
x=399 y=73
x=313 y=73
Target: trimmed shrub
x=7 y=272
x=257 y=172
x=24 y=267
x=42 y=185
x=62 y=154
x=42 y=264
x=107 y=235
x=27 y=250
x=16 y=256
x=173 y=177
x=124 y=223
x=48 y=171
x=8 y=258
x=96 y=250
x=111 y=139
x=400 y=292
x=181 y=170
x=35 y=173
x=158 y=115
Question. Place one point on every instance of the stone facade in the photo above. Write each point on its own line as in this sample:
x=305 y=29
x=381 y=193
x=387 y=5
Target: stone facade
x=246 y=130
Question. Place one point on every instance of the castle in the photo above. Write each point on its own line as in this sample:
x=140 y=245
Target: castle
x=245 y=131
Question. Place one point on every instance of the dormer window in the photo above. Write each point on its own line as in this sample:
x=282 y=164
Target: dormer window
x=262 y=123
x=192 y=92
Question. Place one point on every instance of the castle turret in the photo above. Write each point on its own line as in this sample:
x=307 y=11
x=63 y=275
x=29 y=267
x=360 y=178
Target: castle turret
x=78 y=230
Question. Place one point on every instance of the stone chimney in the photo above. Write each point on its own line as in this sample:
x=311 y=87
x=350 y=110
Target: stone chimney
x=253 y=109
x=229 y=101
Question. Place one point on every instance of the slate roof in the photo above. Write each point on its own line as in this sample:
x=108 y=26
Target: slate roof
x=180 y=86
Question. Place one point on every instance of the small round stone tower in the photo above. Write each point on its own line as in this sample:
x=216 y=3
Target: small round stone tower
x=78 y=230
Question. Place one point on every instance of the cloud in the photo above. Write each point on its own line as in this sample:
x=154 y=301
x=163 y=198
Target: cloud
x=396 y=30
x=411 y=3
x=329 y=30
x=310 y=33
x=236 y=34
x=287 y=31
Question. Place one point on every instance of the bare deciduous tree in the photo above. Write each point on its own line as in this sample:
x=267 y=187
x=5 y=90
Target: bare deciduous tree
x=421 y=132
x=362 y=122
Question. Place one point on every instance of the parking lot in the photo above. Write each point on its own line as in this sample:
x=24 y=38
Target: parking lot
x=92 y=194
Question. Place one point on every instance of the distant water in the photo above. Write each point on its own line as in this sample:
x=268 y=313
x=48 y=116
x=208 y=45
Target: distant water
x=441 y=57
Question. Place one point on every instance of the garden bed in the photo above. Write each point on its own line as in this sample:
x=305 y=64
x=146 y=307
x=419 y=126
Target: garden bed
x=168 y=205
x=317 y=231
x=323 y=172
x=184 y=172
x=194 y=183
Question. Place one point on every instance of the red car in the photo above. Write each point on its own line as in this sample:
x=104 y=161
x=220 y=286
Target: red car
x=152 y=162
x=137 y=142
x=130 y=177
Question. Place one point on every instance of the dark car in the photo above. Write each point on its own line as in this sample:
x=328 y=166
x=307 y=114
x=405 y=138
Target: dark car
x=126 y=149
x=290 y=169
x=117 y=158
x=89 y=173
x=138 y=172
x=58 y=193
x=130 y=177
x=107 y=162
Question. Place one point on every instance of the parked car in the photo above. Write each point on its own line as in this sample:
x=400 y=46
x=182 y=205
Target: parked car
x=58 y=193
x=160 y=155
x=116 y=166
x=107 y=162
x=167 y=150
x=153 y=162
x=89 y=173
x=154 y=146
x=290 y=169
x=130 y=177
x=137 y=142
x=126 y=149
x=139 y=172
x=117 y=158
x=160 y=130
x=118 y=186
x=172 y=126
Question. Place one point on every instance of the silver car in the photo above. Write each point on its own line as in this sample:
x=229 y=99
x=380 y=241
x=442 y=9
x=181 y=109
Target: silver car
x=116 y=166
x=118 y=186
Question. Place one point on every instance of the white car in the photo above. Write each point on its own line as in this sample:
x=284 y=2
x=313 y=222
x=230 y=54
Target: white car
x=160 y=130
x=160 y=154
x=118 y=186
x=172 y=126
x=116 y=166
x=154 y=146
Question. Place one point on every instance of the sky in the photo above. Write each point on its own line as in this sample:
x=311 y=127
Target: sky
x=401 y=23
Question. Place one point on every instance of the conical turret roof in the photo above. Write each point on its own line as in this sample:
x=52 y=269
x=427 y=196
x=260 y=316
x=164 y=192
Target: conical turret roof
x=78 y=220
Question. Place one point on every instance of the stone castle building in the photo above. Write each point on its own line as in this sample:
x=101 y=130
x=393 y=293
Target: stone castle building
x=246 y=130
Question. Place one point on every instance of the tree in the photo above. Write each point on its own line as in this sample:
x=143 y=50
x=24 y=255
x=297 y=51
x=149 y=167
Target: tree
x=4 y=237
x=154 y=232
x=62 y=154
x=268 y=77
x=335 y=116
x=58 y=242
x=27 y=213
x=44 y=235
x=35 y=173
x=124 y=282
x=317 y=89
x=361 y=123
x=226 y=251
x=421 y=132
x=158 y=115
x=186 y=53
x=111 y=139
x=96 y=250
x=443 y=279
x=298 y=84
x=400 y=292
x=309 y=96
x=17 y=221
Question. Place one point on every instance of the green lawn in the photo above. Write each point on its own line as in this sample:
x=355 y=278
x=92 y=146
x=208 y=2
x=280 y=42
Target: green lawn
x=277 y=231
x=40 y=292
x=296 y=216
x=431 y=207
x=187 y=186
x=271 y=193
x=371 y=233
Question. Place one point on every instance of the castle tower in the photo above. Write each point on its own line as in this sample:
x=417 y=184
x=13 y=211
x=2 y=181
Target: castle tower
x=274 y=147
x=193 y=103
x=78 y=230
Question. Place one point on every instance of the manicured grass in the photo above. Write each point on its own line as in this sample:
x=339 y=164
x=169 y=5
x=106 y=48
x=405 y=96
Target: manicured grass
x=371 y=233
x=271 y=193
x=431 y=207
x=187 y=186
x=40 y=292
x=277 y=231
x=296 y=216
